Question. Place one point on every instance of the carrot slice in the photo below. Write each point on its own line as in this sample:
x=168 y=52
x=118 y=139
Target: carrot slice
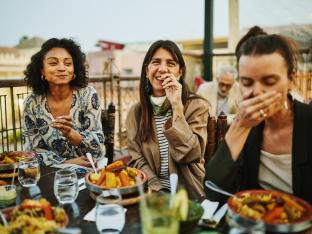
x=102 y=177
x=273 y=214
x=124 y=179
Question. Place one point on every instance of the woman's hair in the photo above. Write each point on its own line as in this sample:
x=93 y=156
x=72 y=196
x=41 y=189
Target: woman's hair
x=146 y=121
x=33 y=71
x=258 y=42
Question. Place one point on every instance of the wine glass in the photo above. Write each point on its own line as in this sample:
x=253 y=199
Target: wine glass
x=28 y=171
x=109 y=216
x=66 y=186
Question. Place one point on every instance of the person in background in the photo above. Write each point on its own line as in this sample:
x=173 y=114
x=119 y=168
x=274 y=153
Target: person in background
x=222 y=93
x=62 y=105
x=268 y=144
x=167 y=129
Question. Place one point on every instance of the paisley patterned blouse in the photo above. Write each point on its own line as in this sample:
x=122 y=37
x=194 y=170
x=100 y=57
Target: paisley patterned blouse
x=49 y=143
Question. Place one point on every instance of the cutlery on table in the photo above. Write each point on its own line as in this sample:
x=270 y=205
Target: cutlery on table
x=173 y=187
x=89 y=156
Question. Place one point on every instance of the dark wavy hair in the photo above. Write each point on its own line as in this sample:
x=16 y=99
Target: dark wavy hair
x=258 y=42
x=146 y=123
x=33 y=70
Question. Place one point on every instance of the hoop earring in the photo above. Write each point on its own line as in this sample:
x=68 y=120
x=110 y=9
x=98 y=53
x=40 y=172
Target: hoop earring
x=74 y=76
x=147 y=86
x=43 y=77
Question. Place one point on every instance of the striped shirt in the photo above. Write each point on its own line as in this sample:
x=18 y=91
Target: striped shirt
x=160 y=120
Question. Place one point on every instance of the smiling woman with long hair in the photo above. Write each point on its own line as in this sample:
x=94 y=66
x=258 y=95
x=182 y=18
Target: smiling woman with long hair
x=167 y=129
x=64 y=108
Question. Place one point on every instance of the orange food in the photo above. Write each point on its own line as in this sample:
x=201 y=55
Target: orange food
x=292 y=203
x=124 y=178
x=273 y=214
x=114 y=165
x=102 y=178
x=110 y=180
x=2 y=182
x=271 y=207
x=40 y=208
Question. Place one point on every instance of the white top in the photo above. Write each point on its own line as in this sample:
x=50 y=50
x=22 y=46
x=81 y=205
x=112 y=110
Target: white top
x=158 y=101
x=275 y=171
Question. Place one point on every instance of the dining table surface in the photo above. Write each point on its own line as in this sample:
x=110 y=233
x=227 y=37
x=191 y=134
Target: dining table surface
x=85 y=203
x=77 y=210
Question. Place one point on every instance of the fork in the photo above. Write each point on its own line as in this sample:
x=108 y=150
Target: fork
x=33 y=131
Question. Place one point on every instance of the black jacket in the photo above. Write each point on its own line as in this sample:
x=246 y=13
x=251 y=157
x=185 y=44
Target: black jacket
x=243 y=174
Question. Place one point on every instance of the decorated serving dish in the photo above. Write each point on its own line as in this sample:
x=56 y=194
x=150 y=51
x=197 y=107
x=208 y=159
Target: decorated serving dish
x=116 y=176
x=280 y=212
x=10 y=159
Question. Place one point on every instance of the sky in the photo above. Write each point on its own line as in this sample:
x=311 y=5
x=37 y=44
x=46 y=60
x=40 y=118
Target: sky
x=125 y=21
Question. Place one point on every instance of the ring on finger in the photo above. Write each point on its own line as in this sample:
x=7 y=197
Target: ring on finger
x=262 y=113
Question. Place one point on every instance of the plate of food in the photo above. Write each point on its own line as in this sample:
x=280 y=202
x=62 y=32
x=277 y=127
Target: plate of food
x=280 y=212
x=9 y=159
x=116 y=176
x=33 y=215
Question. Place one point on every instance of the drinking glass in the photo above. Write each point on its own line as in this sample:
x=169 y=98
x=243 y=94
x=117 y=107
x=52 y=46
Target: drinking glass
x=109 y=217
x=242 y=225
x=28 y=171
x=157 y=216
x=65 y=186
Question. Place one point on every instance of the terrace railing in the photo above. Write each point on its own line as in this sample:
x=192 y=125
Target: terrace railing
x=123 y=93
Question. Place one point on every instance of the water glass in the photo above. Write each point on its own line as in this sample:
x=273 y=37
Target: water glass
x=66 y=186
x=28 y=172
x=242 y=225
x=157 y=216
x=109 y=217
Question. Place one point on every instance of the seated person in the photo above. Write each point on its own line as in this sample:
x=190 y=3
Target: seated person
x=222 y=93
x=62 y=98
x=268 y=144
x=167 y=129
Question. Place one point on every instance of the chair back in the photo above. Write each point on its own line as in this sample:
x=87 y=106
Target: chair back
x=108 y=125
x=216 y=130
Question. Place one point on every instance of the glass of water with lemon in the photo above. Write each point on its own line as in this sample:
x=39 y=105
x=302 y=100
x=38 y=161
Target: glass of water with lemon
x=159 y=215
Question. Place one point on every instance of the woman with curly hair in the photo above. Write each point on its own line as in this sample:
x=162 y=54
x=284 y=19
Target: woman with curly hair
x=64 y=108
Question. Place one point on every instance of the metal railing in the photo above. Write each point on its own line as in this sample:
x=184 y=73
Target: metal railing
x=123 y=93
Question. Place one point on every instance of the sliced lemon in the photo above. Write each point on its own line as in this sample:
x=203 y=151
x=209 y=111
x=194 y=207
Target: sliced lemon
x=181 y=204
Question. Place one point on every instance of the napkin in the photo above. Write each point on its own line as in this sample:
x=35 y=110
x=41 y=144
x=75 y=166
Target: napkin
x=209 y=208
x=81 y=184
x=91 y=215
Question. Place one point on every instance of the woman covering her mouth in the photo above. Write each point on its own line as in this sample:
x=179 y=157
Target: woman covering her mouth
x=268 y=145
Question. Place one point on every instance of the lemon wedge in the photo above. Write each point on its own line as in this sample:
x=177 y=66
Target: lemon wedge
x=180 y=202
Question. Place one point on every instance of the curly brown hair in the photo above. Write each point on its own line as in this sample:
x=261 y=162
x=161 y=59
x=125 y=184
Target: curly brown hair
x=33 y=70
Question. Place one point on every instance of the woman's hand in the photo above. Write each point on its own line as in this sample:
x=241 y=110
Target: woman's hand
x=254 y=110
x=65 y=125
x=250 y=113
x=81 y=161
x=173 y=89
